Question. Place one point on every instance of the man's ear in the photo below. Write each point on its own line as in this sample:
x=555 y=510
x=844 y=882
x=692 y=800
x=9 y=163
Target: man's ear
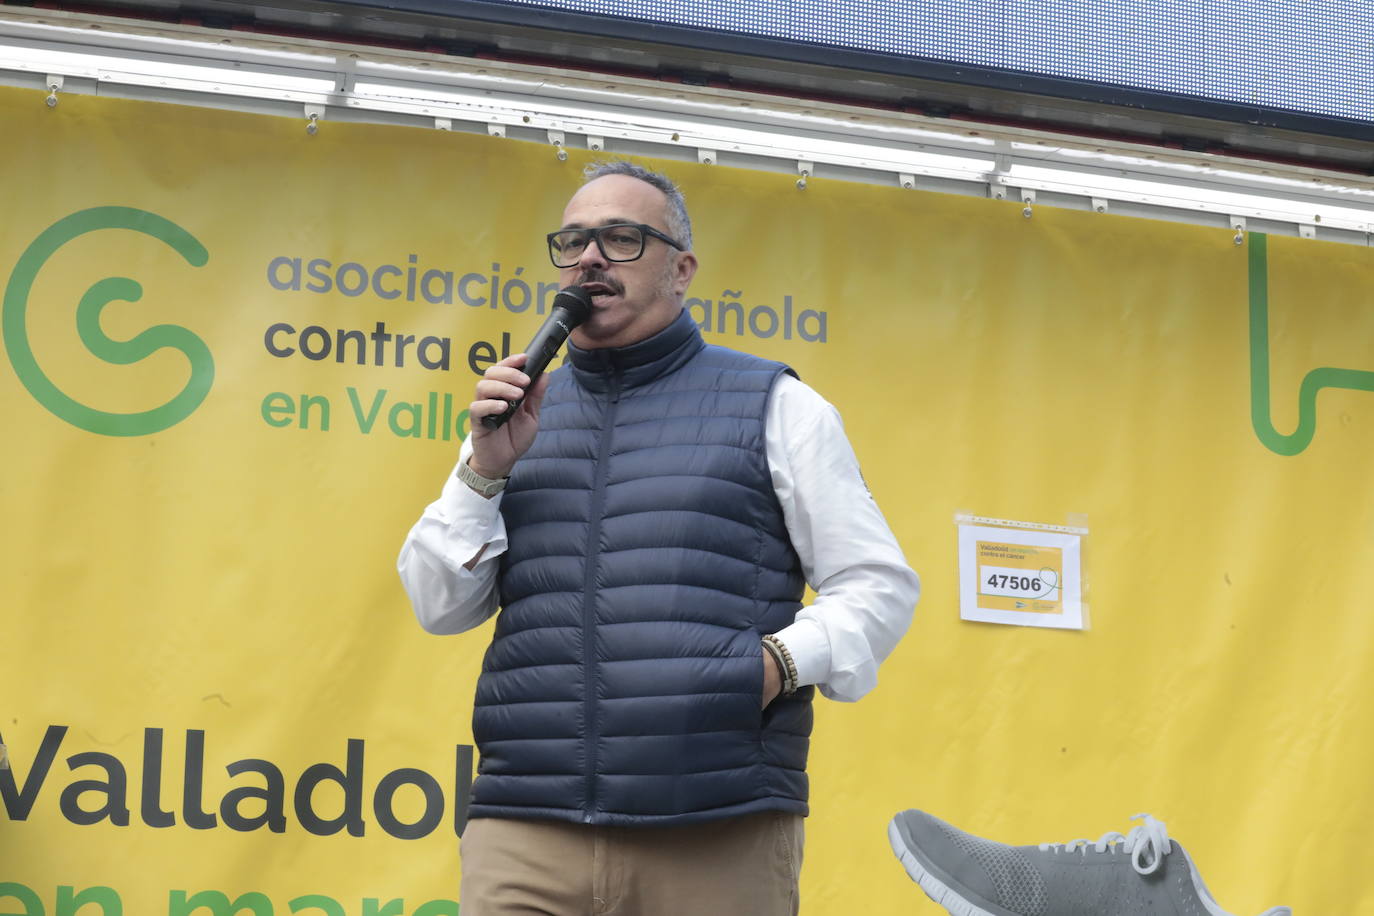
x=684 y=269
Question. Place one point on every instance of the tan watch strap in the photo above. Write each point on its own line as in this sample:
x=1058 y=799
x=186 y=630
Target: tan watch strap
x=483 y=485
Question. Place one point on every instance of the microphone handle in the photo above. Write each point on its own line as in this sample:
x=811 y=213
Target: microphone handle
x=540 y=352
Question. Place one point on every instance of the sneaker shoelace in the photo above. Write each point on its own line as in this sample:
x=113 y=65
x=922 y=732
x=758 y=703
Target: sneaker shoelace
x=1148 y=844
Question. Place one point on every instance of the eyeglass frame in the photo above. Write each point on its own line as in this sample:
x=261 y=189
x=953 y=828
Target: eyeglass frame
x=594 y=235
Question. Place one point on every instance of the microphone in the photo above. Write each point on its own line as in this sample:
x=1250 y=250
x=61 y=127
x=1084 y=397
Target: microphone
x=571 y=307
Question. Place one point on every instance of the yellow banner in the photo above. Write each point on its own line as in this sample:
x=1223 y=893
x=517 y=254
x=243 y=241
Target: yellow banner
x=238 y=358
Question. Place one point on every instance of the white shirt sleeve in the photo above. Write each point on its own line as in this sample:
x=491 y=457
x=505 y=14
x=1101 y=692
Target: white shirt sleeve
x=865 y=591
x=448 y=598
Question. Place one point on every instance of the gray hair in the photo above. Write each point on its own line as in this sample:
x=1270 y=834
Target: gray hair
x=679 y=223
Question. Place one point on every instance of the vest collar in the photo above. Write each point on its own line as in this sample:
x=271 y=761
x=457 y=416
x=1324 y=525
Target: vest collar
x=638 y=363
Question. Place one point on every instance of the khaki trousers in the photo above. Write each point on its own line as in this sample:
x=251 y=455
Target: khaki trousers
x=745 y=865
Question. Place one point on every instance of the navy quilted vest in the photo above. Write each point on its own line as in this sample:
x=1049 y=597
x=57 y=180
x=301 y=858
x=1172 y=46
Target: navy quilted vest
x=647 y=555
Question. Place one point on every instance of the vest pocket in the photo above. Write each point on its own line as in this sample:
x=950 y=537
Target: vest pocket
x=758 y=652
x=759 y=655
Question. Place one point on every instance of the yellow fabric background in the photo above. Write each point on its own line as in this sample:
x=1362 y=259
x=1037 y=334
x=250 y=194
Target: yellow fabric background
x=234 y=577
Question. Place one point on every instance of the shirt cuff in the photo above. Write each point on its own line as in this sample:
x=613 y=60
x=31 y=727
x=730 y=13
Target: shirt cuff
x=809 y=645
x=471 y=522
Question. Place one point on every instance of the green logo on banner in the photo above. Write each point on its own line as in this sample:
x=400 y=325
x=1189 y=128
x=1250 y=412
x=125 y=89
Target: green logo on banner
x=1325 y=377
x=119 y=352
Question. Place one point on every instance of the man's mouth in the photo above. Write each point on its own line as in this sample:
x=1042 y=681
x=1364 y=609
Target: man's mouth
x=598 y=290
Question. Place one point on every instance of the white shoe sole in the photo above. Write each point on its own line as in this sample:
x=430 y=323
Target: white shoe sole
x=935 y=888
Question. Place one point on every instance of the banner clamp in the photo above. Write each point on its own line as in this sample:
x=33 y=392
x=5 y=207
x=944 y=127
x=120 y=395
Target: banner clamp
x=804 y=169
x=556 y=138
x=314 y=114
x=54 y=83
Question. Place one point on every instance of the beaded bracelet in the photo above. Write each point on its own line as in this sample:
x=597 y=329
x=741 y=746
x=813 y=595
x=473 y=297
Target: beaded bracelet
x=786 y=666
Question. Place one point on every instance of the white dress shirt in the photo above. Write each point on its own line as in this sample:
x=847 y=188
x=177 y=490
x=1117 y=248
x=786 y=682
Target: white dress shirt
x=865 y=592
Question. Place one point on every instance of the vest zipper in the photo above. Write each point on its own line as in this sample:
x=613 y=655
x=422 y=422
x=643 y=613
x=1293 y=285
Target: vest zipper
x=593 y=730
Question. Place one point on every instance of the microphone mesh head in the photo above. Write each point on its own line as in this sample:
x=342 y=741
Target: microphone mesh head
x=576 y=301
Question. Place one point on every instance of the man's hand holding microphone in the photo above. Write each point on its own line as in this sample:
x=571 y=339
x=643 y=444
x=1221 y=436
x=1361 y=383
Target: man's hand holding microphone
x=505 y=415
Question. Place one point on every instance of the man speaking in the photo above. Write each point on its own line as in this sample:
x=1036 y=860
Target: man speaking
x=646 y=522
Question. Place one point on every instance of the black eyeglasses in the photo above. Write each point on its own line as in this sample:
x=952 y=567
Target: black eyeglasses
x=618 y=242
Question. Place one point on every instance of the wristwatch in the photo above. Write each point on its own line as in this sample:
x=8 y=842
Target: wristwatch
x=483 y=485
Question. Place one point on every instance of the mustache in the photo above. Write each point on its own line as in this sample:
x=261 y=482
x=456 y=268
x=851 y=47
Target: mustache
x=597 y=276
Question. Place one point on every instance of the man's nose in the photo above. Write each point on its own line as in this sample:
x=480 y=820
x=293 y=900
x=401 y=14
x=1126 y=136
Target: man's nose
x=592 y=256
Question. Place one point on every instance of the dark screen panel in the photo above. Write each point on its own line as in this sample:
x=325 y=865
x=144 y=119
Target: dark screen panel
x=1306 y=56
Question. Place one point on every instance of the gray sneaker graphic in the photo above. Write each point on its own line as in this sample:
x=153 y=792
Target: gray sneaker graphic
x=1143 y=873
